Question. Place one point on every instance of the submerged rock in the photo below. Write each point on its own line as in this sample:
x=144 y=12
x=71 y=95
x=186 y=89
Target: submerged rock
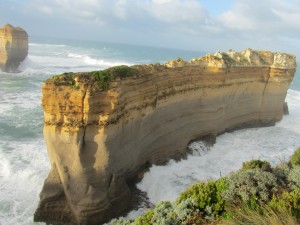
x=103 y=128
x=13 y=47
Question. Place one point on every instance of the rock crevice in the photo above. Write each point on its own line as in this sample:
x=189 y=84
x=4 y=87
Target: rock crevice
x=99 y=137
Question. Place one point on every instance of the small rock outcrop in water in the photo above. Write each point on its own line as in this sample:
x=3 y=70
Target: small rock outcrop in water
x=13 y=47
x=103 y=128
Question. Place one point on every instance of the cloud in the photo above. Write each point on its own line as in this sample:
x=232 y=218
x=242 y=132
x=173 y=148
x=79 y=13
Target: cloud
x=67 y=9
x=264 y=16
x=178 y=11
x=166 y=11
x=172 y=21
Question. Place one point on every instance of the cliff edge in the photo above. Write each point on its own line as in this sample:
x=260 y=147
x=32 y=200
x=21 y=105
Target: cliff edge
x=102 y=128
x=13 y=47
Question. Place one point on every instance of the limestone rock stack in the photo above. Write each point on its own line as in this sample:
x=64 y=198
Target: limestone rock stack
x=99 y=137
x=13 y=47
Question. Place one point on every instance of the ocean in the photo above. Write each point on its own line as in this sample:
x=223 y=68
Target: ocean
x=24 y=162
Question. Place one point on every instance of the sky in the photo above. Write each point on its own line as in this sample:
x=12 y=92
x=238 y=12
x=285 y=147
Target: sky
x=200 y=25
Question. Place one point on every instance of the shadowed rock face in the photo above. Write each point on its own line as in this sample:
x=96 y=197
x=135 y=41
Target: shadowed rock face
x=99 y=139
x=13 y=47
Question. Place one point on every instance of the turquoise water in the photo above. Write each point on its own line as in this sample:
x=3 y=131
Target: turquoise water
x=23 y=157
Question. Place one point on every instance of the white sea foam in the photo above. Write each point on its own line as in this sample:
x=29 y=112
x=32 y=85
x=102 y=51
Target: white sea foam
x=45 y=45
x=59 y=63
x=13 y=100
x=23 y=167
x=96 y=62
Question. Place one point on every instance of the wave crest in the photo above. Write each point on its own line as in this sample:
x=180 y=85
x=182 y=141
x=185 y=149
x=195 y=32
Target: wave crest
x=96 y=62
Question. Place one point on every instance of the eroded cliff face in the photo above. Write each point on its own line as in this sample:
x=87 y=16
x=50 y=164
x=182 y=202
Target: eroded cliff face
x=99 y=137
x=13 y=47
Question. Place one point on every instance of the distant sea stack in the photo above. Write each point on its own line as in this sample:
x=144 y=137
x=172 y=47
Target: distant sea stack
x=104 y=127
x=13 y=47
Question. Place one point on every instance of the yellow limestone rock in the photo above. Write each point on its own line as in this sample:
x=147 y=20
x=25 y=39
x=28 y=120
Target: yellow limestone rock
x=13 y=47
x=100 y=137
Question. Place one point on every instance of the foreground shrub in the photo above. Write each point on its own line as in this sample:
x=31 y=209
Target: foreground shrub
x=266 y=216
x=206 y=198
x=257 y=164
x=294 y=177
x=295 y=158
x=281 y=172
x=288 y=201
x=256 y=194
x=253 y=187
x=165 y=213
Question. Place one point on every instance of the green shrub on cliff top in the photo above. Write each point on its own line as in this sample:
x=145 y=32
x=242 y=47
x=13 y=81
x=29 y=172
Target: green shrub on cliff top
x=294 y=177
x=168 y=213
x=289 y=201
x=165 y=213
x=206 y=197
x=64 y=79
x=253 y=187
x=295 y=158
x=257 y=164
x=103 y=77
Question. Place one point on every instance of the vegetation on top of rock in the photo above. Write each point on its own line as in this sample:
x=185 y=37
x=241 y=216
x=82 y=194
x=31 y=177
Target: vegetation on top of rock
x=206 y=197
x=255 y=194
x=257 y=164
x=295 y=158
x=253 y=187
x=289 y=201
x=64 y=79
x=293 y=177
x=102 y=77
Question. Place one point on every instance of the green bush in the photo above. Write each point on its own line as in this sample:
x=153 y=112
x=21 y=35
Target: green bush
x=165 y=213
x=206 y=197
x=294 y=177
x=295 y=158
x=103 y=77
x=287 y=201
x=253 y=187
x=64 y=79
x=281 y=172
x=123 y=71
x=145 y=219
x=257 y=164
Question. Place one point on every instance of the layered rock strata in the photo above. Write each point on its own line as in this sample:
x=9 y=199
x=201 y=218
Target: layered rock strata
x=99 y=135
x=13 y=47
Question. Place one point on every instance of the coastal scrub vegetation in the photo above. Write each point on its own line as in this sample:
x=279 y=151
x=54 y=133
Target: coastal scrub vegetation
x=295 y=159
x=255 y=194
x=102 y=77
